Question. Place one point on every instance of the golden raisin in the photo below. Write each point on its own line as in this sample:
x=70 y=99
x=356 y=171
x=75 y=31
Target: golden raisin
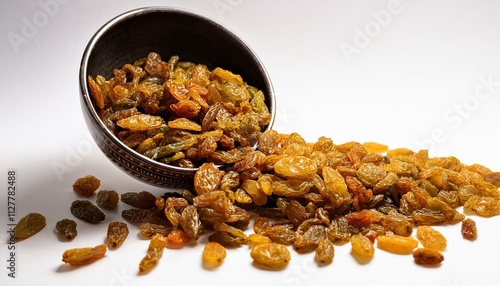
x=84 y=255
x=362 y=248
x=271 y=255
x=155 y=251
x=397 y=244
x=431 y=238
x=213 y=254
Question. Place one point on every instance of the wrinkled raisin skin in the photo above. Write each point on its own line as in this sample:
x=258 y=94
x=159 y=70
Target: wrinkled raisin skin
x=87 y=211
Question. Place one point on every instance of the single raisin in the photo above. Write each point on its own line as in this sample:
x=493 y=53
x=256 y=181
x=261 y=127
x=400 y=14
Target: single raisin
x=117 y=233
x=29 y=225
x=427 y=256
x=84 y=255
x=469 y=229
x=87 y=211
x=107 y=199
x=86 y=186
x=66 y=229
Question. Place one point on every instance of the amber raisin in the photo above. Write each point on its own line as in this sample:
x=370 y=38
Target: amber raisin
x=397 y=244
x=84 y=255
x=86 y=186
x=431 y=238
x=469 y=229
x=362 y=248
x=213 y=254
x=270 y=255
x=325 y=251
x=155 y=250
x=255 y=238
x=427 y=256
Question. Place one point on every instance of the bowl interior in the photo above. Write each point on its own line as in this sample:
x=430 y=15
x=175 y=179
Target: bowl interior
x=169 y=32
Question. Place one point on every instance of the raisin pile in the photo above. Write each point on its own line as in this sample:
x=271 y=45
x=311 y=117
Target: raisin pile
x=276 y=192
x=180 y=113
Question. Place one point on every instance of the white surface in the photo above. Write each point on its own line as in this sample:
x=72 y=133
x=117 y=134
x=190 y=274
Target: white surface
x=404 y=84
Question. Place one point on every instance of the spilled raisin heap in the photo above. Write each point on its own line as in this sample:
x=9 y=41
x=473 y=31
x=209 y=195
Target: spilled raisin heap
x=284 y=194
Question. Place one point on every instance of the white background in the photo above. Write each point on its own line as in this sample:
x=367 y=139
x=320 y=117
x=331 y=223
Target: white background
x=414 y=74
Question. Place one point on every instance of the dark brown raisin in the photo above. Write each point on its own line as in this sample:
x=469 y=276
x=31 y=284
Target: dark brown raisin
x=87 y=211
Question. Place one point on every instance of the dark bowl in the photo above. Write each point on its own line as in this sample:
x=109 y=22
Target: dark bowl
x=167 y=31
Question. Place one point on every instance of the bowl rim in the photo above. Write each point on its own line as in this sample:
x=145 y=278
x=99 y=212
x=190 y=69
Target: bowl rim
x=85 y=92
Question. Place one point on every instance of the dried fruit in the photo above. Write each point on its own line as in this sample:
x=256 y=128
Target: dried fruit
x=427 y=256
x=255 y=238
x=180 y=113
x=142 y=200
x=397 y=244
x=469 y=229
x=483 y=206
x=87 y=211
x=155 y=251
x=66 y=229
x=213 y=254
x=86 y=186
x=431 y=238
x=84 y=255
x=271 y=255
x=362 y=248
x=117 y=233
x=149 y=229
x=325 y=251
x=190 y=221
x=29 y=225
x=107 y=199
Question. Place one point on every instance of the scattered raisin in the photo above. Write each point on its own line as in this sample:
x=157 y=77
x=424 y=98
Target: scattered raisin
x=155 y=251
x=431 y=238
x=84 y=255
x=397 y=244
x=142 y=200
x=66 y=229
x=87 y=211
x=469 y=229
x=107 y=199
x=213 y=254
x=86 y=186
x=271 y=255
x=29 y=225
x=117 y=233
x=427 y=256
